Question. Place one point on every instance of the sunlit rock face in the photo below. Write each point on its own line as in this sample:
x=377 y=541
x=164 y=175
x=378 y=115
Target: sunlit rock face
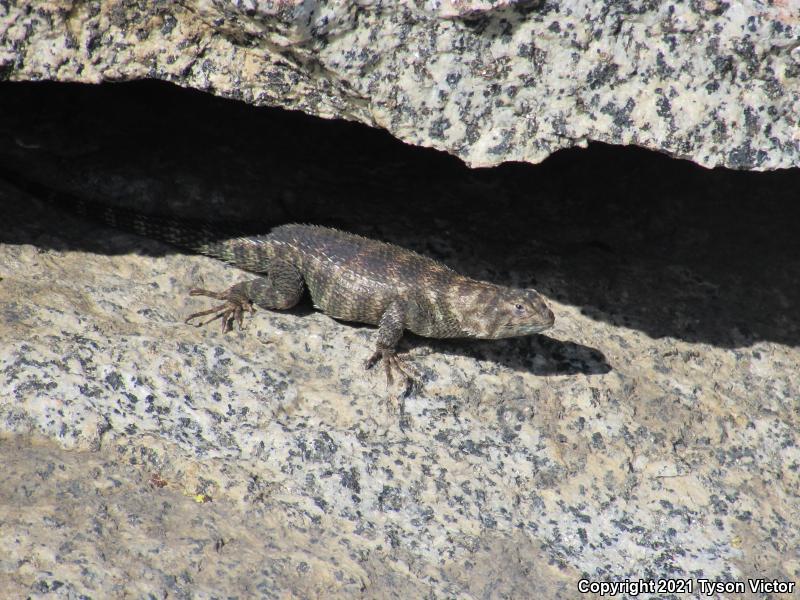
x=650 y=435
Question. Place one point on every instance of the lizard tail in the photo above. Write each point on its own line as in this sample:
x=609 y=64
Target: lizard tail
x=197 y=236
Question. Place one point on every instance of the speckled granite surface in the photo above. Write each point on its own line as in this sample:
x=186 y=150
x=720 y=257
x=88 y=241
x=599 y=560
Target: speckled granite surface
x=651 y=434
x=714 y=81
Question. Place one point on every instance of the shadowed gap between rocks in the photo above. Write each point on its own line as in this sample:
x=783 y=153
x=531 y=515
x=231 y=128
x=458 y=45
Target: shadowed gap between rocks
x=632 y=237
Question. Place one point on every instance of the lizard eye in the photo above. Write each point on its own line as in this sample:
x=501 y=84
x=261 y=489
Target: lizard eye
x=519 y=307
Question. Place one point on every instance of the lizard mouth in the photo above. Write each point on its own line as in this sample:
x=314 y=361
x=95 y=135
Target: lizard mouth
x=530 y=328
x=517 y=329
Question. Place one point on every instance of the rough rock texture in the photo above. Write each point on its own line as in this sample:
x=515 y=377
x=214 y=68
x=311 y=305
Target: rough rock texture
x=652 y=433
x=714 y=81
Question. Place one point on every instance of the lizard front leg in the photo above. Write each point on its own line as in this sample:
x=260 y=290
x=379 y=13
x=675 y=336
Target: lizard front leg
x=281 y=289
x=390 y=330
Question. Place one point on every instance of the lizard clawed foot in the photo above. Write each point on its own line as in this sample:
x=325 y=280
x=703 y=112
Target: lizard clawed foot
x=231 y=310
x=392 y=361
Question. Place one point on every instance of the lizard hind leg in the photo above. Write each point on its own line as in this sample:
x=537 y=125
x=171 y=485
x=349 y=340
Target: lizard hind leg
x=281 y=289
x=232 y=309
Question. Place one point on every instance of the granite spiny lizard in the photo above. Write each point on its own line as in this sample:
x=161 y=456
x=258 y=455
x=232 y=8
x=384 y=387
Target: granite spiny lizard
x=348 y=276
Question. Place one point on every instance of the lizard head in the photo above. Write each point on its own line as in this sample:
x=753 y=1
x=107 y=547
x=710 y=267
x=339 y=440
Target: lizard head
x=521 y=312
x=493 y=311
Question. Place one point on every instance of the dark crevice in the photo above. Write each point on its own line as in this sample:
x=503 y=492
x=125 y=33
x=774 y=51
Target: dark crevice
x=632 y=237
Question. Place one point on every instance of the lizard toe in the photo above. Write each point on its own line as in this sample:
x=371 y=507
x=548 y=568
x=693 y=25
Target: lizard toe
x=391 y=363
x=231 y=310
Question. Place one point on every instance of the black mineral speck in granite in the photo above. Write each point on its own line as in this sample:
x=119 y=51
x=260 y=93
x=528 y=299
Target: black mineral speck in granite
x=390 y=498
x=745 y=516
x=321 y=448
x=621 y=115
x=601 y=75
x=583 y=536
x=581 y=516
x=438 y=127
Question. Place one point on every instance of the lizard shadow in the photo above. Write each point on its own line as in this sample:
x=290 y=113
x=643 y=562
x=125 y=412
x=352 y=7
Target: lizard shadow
x=537 y=354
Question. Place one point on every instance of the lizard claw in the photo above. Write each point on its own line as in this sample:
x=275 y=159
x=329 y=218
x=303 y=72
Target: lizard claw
x=232 y=309
x=390 y=362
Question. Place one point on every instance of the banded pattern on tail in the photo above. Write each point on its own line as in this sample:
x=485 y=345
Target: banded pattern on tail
x=217 y=240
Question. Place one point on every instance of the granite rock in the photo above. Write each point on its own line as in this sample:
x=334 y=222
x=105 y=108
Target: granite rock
x=652 y=434
x=712 y=81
